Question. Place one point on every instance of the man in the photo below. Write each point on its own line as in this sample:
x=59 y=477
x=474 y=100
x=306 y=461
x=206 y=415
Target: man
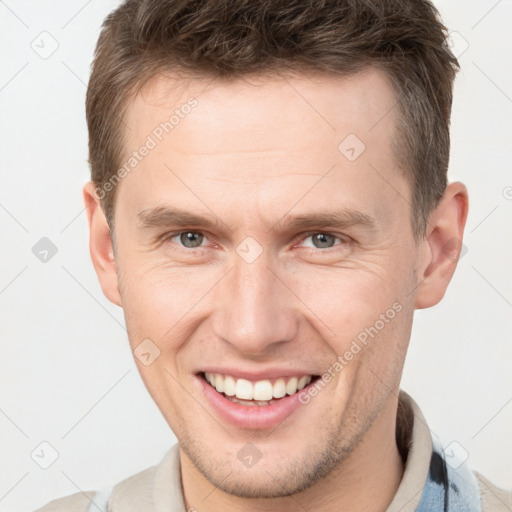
x=269 y=206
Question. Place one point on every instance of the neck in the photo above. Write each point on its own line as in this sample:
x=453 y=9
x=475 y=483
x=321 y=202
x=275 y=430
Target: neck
x=366 y=480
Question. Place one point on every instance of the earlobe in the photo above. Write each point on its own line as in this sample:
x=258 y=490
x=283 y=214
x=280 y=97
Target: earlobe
x=100 y=245
x=443 y=245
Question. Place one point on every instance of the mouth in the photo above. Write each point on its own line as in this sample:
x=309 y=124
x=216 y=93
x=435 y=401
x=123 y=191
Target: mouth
x=253 y=402
x=261 y=393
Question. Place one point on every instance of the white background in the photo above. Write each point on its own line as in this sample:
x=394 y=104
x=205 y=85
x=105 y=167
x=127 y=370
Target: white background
x=66 y=373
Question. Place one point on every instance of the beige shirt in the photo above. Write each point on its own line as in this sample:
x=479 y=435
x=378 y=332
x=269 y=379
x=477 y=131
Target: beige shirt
x=158 y=489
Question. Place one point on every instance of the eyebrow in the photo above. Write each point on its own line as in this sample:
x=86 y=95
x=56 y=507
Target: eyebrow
x=343 y=218
x=162 y=216
x=176 y=217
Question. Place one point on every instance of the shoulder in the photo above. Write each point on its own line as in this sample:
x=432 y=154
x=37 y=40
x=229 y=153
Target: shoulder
x=142 y=491
x=78 y=502
x=493 y=498
x=123 y=493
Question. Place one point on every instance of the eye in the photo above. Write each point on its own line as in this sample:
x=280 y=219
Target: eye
x=188 y=239
x=195 y=239
x=323 y=240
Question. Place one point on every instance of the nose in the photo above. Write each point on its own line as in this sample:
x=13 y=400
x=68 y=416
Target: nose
x=255 y=311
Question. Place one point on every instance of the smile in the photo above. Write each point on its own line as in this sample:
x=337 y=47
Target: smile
x=259 y=393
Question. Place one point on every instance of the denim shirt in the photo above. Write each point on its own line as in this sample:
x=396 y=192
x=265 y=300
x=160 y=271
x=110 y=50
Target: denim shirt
x=449 y=487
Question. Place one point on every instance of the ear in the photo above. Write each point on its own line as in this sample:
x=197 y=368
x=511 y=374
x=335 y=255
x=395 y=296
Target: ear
x=442 y=245
x=100 y=245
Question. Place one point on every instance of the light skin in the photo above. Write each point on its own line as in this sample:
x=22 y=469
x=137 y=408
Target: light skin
x=251 y=155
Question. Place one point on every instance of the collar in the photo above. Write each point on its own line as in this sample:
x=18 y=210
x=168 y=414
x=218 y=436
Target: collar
x=432 y=481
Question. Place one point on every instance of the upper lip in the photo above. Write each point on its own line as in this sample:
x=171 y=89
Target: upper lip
x=253 y=375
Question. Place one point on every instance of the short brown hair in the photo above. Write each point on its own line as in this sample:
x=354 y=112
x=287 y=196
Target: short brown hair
x=232 y=38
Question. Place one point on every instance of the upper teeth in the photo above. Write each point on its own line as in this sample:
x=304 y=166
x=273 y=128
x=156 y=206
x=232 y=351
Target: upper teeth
x=260 y=390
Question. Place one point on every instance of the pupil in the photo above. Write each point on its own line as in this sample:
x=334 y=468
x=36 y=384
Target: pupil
x=323 y=239
x=191 y=239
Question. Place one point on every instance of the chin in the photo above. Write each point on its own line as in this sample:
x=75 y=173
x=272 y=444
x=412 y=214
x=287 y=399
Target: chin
x=272 y=476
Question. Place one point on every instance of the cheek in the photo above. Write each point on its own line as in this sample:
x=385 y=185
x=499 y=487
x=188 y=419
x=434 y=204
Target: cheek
x=365 y=317
x=156 y=297
x=345 y=301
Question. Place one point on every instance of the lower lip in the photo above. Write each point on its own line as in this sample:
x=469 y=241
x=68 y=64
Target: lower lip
x=251 y=416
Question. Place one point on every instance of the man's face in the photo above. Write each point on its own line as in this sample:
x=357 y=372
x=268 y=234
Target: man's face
x=257 y=293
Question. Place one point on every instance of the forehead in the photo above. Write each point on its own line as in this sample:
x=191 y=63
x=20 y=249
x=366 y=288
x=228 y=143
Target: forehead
x=324 y=104
x=276 y=135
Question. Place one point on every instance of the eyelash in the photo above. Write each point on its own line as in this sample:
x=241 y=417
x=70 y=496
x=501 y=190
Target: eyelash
x=343 y=239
